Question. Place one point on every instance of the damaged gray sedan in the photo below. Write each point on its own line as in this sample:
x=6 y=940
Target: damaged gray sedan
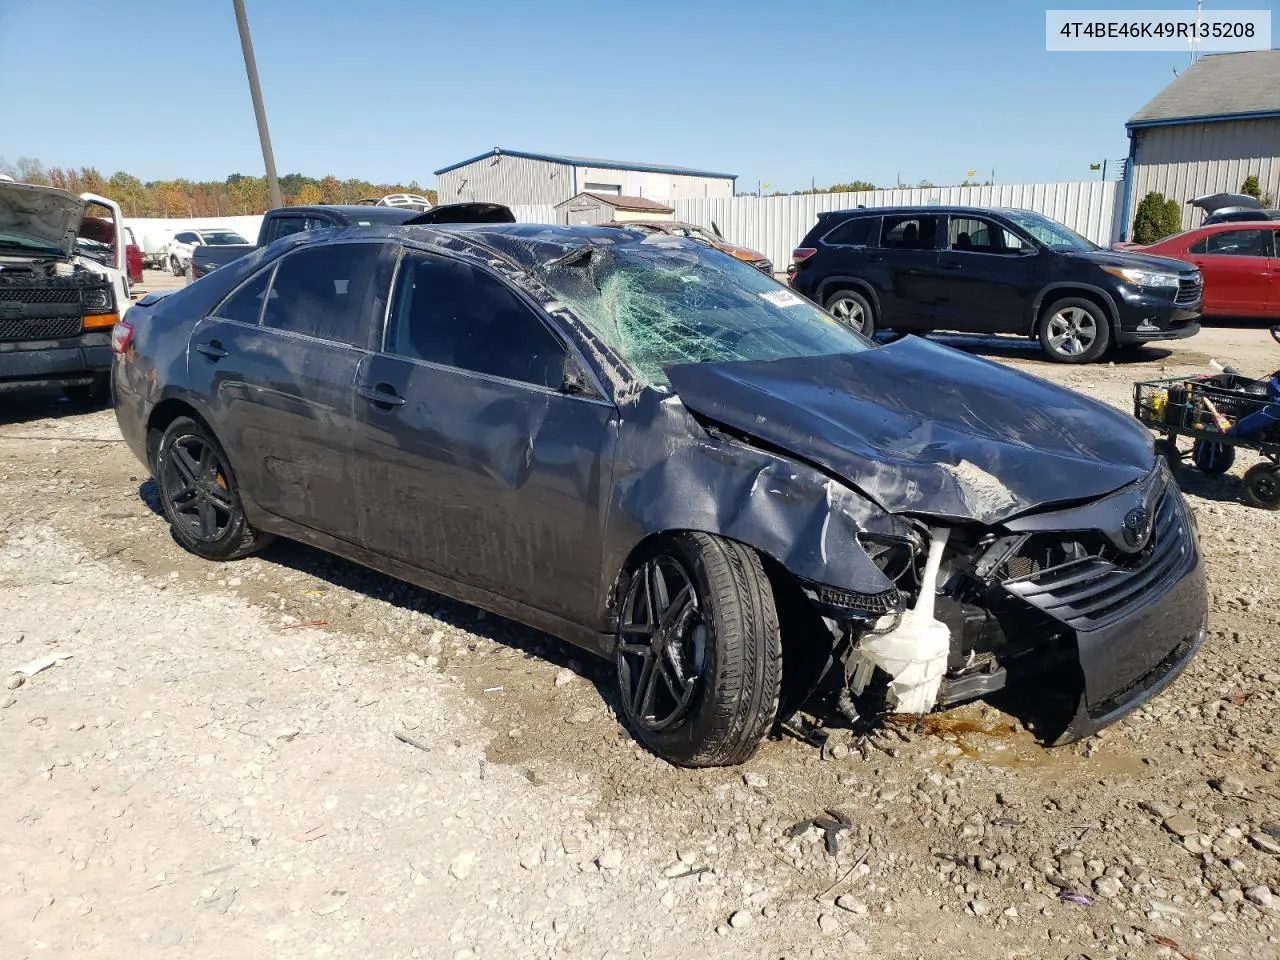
x=651 y=450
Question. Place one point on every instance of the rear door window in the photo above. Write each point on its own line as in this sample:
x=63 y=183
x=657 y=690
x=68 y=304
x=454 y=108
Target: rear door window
x=328 y=291
x=459 y=315
x=912 y=232
x=854 y=232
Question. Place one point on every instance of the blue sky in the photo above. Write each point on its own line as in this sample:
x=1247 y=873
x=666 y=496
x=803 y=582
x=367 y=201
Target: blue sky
x=390 y=90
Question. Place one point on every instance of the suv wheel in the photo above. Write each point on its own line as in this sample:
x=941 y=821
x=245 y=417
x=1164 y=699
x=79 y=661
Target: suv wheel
x=699 y=652
x=199 y=494
x=175 y=267
x=1074 y=330
x=853 y=310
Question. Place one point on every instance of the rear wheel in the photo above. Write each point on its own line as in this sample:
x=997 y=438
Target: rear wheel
x=699 y=652
x=1262 y=486
x=199 y=494
x=1074 y=330
x=854 y=310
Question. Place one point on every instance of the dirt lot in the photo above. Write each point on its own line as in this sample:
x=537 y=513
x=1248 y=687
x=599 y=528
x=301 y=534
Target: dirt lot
x=215 y=770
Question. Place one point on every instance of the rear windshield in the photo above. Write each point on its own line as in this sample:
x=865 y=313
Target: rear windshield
x=665 y=300
x=222 y=238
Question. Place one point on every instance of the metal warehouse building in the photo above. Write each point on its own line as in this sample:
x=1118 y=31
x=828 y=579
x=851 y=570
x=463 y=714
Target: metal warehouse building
x=515 y=178
x=1206 y=132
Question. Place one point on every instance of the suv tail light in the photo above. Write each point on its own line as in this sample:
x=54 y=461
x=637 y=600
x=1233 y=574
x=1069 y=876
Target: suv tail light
x=121 y=336
x=798 y=256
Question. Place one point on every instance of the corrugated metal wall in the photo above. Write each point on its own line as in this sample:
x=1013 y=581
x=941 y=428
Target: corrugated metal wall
x=507 y=179
x=776 y=225
x=1189 y=161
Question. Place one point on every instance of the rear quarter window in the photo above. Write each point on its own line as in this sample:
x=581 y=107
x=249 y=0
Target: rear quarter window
x=854 y=232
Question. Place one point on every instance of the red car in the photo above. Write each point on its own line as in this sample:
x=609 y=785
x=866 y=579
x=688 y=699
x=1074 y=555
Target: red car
x=1240 y=262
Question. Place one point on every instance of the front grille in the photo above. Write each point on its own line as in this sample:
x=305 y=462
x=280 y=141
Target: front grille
x=40 y=294
x=1188 y=293
x=50 y=328
x=1093 y=592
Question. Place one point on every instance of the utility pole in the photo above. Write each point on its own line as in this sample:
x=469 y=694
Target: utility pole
x=251 y=68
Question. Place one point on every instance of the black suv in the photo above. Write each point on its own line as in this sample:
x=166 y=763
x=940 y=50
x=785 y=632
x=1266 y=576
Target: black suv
x=917 y=269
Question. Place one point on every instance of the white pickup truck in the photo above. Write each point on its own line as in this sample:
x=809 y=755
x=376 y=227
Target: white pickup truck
x=63 y=286
x=178 y=250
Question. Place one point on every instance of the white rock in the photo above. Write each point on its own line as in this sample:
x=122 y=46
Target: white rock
x=756 y=781
x=462 y=865
x=740 y=919
x=564 y=676
x=828 y=924
x=611 y=859
x=1107 y=887
x=1260 y=895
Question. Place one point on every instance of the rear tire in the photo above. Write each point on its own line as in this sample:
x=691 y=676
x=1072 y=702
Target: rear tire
x=700 y=690
x=1074 y=330
x=854 y=310
x=199 y=494
x=1213 y=459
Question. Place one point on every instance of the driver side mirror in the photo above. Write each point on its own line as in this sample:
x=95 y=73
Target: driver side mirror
x=575 y=381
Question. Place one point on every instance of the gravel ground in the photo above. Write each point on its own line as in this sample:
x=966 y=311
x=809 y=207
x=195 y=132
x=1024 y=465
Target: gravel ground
x=292 y=756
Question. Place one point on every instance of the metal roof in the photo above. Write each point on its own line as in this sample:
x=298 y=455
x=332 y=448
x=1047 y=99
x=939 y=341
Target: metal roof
x=591 y=162
x=1220 y=86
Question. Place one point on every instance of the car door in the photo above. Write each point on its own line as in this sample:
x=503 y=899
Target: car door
x=986 y=276
x=1273 y=285
x=906 y=258
x=474 y=463
x=1236 y=265
x=278 y=362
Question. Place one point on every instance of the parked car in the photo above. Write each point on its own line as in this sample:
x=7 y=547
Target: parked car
x=62 y=288
x=710 y=238
x=133 y=256
x=1232 y=208
x=1240 y=262
x=918 y=269
x=178 y=251
x=285 y=221
x=658 y=454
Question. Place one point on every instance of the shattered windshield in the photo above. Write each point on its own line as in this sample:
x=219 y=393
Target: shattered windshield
x=665 y=301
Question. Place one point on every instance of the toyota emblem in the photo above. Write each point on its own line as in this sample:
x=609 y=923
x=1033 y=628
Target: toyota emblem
x=1137 y=527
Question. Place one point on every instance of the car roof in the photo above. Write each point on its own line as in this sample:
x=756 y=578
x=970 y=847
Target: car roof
x=923 y=208
x=527 y=245
x=361 y=211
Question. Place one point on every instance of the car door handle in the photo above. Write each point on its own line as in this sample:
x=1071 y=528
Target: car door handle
x=951 y=266
x=875 y=259
x=213 y=349
x=383 y=393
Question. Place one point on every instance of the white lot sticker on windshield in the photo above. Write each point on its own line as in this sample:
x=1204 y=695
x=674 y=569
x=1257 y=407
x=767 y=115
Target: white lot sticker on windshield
x=782 y=298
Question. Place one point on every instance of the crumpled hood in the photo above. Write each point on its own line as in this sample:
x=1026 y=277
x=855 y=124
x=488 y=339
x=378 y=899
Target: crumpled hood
x=921 y=428
x=42 y=215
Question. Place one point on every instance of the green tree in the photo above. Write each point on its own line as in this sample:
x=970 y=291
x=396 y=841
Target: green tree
x=1251 y=187
x=1153 y=219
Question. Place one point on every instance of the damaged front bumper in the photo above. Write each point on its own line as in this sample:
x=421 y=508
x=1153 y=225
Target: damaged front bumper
x=1091 y=610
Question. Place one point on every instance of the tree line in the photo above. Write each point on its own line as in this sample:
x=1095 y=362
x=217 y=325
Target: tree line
x=237 y=195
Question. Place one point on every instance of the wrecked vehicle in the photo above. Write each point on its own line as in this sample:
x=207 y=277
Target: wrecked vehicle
x=662 y=455
x=63 y=285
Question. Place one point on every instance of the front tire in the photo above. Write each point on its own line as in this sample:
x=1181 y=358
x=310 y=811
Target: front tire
x=854 y=310
x=1074 y=330
x=199 y=494
x=175 y=266
x=699 y=652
